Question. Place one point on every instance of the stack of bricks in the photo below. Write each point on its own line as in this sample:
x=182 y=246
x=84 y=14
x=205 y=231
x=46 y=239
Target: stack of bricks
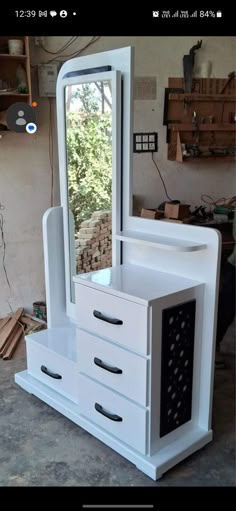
x=93 y=245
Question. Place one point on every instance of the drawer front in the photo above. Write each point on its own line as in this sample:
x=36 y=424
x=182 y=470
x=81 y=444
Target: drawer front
x=132 y=333
x=47 y=367
x=115 y=414
x=115 y=367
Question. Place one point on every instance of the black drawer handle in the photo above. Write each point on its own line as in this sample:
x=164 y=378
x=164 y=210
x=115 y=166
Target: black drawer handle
x=101 y=316
x=98 y=362
x=110 y=416
x=45 y=370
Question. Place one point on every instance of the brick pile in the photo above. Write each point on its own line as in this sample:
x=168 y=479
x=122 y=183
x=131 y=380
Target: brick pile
x=93 y=244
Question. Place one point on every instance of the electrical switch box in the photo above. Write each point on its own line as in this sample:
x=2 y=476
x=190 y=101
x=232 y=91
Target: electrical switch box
x=145 y=142
x=47 y=79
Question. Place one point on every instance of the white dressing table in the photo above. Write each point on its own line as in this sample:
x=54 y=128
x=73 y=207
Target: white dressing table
x=131 y=357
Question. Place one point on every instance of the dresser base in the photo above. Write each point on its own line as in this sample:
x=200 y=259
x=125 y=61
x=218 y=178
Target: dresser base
x=153 y=466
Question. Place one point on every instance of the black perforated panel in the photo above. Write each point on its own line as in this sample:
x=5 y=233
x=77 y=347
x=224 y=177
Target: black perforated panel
x=178 y=326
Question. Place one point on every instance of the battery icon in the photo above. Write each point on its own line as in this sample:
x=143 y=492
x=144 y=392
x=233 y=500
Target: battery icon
x=219 y=14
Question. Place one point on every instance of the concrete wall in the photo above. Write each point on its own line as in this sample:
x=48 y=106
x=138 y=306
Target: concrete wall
x=25 y=173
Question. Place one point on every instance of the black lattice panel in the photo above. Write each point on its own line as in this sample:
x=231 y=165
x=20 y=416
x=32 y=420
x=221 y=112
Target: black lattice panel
x=178 y=325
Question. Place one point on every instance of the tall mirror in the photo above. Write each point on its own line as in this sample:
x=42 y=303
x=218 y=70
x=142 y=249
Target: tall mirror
x=89 y=175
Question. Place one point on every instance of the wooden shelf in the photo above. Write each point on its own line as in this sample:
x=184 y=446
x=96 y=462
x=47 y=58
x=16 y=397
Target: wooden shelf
x=202 y=127
x=13 y=94
x=209 y=104
x=163 y=242
x=201 y=97
x=9 y=64
x=12 y=57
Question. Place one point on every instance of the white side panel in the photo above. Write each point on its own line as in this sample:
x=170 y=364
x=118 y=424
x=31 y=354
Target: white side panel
x=201 y=265
x=198 y=385
x=54 y=264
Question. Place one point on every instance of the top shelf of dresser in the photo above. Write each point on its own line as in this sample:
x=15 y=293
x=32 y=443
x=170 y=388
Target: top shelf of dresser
x=163 y=242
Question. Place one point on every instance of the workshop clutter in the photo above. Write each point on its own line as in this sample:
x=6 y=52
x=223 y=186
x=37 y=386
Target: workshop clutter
x=171 y=211
x=40 y=310
x=13 y=329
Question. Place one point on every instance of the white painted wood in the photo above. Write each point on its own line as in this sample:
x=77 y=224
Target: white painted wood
x=164 y=264
x=131 y=334
x=121 y=62
x=60 y=341
x=54 y=264
x=38 y=356
x=72 y=252
x=91 y=393
x=201 y=265
x=161 y=242
x=132 y=382
x=135 y=283
x=196 y=293
x=153 y=466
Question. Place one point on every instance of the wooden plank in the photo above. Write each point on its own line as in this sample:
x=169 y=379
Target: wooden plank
x=201 y=97
x=35 y=319
x=8 y=340
x=203 y=127
x=7 y=343
x=14 y=341
x=179 y=154
x=28 y=321
x=7 y=329
x=4 y=321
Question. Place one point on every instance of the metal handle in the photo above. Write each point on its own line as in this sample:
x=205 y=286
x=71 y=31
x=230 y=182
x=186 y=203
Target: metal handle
x=46 y=371
x=98 y=362
x=110 y=416
x=101 y=316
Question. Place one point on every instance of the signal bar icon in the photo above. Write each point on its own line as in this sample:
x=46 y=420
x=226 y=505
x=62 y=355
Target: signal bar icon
x=194 y=15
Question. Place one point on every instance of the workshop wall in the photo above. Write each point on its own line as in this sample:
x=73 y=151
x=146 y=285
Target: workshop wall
x=25 y=172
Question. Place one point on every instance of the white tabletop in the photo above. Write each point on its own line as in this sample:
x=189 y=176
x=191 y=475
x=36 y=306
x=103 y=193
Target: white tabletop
x=136 y=283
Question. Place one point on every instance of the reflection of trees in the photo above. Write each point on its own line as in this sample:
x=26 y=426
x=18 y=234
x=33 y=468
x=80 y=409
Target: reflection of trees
x=87 y=99
x=89 y=134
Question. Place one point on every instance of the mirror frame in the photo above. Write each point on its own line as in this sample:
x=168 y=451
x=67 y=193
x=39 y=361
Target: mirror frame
x=121 y=63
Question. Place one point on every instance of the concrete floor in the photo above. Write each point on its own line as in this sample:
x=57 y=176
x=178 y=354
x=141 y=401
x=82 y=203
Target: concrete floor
x=40 y=447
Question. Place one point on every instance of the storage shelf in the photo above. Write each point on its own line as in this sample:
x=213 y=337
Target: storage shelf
x=8 y=65
x=163 y=242
x=201 y=97
x=202 y=127
x=12 y=57
x=14 y=94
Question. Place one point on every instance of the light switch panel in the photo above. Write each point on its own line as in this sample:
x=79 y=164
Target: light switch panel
x=145 y=143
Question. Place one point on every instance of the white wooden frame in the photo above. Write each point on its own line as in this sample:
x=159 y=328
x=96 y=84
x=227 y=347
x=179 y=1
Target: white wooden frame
x=121 y=63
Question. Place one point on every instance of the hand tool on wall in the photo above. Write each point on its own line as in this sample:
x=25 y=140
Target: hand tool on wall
x=188 y=65
x=230 y=78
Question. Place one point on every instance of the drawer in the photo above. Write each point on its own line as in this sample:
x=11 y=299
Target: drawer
x=59 y=373
x=131 y=328
x=115 y=367
x=117 y=415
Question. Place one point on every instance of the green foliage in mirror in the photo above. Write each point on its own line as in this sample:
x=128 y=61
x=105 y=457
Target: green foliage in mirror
x=89 y=156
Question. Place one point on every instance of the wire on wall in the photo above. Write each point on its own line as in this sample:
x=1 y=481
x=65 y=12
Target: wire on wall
x=76 y=53
x=51 y=148
x=3 y=244
x=64 y=47
x=163 y=182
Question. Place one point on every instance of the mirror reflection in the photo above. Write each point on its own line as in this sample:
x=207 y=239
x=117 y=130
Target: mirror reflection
x=89 y=175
